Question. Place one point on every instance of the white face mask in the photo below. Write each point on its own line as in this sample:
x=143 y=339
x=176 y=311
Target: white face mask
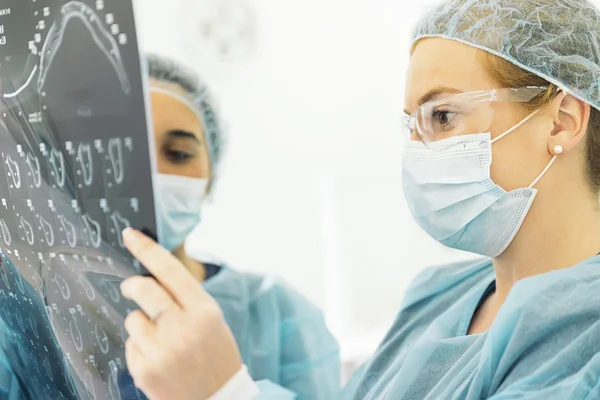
x=179 y=207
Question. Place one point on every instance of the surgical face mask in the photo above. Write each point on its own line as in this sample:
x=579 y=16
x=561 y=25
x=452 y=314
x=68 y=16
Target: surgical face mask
x=451 y=195
x=179 y=207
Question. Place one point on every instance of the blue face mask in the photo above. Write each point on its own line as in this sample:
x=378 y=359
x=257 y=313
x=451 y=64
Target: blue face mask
x=451 y=194
x=179 y=207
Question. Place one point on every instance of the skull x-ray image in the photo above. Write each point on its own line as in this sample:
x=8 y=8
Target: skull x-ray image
x=75 y=171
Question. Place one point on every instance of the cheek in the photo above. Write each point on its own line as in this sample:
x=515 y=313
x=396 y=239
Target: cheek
x=517 y=159
x=162 y=164
x=198 y=168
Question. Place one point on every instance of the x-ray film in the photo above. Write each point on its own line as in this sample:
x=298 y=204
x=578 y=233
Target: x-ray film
x=75 y=170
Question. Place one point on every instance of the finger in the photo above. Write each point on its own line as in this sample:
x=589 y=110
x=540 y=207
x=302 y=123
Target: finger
x=141 y=331
x=135 y=360
x=133 y=354
x=152 y=298
x=167 y=269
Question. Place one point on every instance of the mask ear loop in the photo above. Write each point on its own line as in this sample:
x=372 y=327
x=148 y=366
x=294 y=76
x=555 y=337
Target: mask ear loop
x=558 y=149
x=517 y=126
x=563 y=90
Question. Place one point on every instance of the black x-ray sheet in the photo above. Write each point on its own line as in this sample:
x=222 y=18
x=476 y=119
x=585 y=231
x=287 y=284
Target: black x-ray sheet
x=75 y=171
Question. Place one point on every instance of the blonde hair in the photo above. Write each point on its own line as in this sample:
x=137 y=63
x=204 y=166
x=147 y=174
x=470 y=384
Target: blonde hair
x=509 y=75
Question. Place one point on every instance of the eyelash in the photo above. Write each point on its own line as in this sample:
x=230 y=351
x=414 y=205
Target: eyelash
x=439 y=111
x=178 y=157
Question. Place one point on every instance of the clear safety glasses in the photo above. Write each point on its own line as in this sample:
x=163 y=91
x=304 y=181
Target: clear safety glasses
x=464 y=113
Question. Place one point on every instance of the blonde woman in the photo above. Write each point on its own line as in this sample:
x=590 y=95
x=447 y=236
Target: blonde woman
x=502 y=160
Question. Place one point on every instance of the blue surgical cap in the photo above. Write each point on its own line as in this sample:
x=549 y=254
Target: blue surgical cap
x=558 y=40
x=162 y=69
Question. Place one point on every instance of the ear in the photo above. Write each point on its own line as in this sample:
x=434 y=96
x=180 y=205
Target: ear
x=571 y=117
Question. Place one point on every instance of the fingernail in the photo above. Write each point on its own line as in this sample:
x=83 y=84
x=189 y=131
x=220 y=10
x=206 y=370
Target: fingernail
x=124 y=286
x=129 y=235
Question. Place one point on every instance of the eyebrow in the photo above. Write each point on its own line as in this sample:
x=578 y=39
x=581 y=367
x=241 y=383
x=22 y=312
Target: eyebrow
x=181 y=134
x=434 y=94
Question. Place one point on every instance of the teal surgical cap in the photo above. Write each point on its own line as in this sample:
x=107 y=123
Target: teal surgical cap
x=558 y=40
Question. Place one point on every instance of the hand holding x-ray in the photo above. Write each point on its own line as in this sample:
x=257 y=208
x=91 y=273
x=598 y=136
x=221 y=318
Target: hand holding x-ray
x=179 y=346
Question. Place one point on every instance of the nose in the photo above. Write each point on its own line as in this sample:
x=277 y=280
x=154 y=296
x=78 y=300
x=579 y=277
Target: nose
x=414 y=136
x=410 y=129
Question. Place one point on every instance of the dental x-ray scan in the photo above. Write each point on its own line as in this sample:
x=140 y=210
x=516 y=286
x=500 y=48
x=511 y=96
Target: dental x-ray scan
x=73 y=125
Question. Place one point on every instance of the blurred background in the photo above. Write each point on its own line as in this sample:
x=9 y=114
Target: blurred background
x=310 y=189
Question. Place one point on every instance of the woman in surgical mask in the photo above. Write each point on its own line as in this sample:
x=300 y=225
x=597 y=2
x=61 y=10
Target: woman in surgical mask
x=502 y=159
x=281 y=336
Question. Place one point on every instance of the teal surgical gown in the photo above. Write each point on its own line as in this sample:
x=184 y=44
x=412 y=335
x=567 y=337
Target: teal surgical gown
x=282 y=337
x=544 y=343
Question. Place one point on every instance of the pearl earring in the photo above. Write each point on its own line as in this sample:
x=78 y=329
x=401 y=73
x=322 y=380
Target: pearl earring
x=558 y=149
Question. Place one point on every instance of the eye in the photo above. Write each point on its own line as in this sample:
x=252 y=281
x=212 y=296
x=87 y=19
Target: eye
x=443 y=119
x=178 y=157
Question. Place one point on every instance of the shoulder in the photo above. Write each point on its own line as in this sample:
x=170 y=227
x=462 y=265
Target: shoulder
x=548 y=323
x=271 y=302
x=265 y=292
x=574 y=290
x=273 y=289
x=448 y=279
x=433 y=292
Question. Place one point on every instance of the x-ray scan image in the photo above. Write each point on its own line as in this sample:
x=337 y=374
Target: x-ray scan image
x=72 y=127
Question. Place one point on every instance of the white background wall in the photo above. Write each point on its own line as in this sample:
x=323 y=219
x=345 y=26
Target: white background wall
x=311 y=188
